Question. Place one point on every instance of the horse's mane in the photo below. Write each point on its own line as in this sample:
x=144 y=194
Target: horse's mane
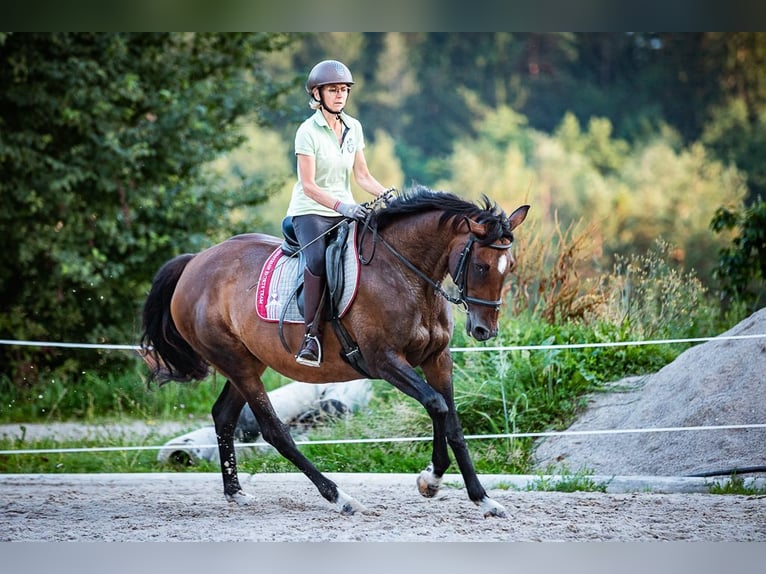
x=421 y=199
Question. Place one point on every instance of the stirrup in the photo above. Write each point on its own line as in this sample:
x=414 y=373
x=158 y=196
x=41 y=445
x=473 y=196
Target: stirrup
x=310 y=362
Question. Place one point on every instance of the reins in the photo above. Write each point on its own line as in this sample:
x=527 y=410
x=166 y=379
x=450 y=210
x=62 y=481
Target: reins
x=435 y=284
x=460 y=277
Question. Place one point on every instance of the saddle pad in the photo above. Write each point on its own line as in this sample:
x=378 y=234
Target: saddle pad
x=281 y=275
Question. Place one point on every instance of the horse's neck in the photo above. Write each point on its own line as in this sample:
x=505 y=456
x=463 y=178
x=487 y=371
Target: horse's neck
x=424 y=243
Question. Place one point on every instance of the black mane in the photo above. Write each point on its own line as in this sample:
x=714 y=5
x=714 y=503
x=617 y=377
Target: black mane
x=421 y=199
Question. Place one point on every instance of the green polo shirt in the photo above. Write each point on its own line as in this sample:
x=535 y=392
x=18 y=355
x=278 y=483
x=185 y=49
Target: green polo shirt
x=334 y=164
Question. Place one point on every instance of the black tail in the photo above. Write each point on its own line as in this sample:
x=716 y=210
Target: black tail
x=166 y=352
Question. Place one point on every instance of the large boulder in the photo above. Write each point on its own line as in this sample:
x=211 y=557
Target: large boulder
x=720 y=382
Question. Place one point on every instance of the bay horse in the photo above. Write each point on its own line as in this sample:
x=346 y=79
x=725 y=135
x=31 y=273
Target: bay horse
x=200 y=313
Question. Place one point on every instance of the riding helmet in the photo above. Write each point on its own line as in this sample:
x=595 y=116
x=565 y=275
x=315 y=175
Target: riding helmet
x=328 y=72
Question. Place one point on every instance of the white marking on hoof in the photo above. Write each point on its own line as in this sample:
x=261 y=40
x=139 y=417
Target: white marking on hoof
x=491 y=508
x=241 y=498
x=347 y=505
x=428 y=482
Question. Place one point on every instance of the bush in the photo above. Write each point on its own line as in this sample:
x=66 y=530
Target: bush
x=742 y=265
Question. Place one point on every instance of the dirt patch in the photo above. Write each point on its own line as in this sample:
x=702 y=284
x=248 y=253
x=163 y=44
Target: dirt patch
x=191 y=507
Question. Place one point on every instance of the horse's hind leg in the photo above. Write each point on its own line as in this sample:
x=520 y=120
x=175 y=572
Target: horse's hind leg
x=226 y=412
x=277 y=434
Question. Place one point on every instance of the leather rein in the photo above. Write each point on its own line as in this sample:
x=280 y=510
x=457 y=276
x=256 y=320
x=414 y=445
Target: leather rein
x=460 y=277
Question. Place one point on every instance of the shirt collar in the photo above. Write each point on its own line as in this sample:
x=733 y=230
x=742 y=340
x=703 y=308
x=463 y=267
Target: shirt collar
x=322 y=121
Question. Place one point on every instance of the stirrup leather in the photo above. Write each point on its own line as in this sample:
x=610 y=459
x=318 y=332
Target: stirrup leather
x=309 y=362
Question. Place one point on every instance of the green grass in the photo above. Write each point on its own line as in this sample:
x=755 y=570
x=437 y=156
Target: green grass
x=567 y=482
x=113 y=396
x=736 y=485
x=86 y=462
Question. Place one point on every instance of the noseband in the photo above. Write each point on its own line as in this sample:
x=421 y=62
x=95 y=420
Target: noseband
x=460 y=277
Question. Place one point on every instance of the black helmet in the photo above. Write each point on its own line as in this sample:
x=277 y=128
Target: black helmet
x=328 y=72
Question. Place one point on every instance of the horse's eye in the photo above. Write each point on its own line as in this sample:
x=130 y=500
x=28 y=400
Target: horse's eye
x=481 y=269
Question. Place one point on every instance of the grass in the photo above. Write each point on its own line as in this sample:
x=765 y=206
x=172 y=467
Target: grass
x=100 y=397
x=736 y=485
x=495 y=393
x=566 y=482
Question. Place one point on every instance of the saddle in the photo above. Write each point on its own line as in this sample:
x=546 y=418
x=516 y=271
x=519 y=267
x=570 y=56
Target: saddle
x=279 y=293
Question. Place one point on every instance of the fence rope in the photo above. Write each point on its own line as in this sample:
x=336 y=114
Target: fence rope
x=551 y=347
x=394 y=439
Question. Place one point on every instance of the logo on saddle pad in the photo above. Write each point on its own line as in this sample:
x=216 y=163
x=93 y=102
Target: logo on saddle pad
x=281 y=280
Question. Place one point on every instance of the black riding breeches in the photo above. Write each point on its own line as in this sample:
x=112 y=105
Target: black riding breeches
x=307 y=229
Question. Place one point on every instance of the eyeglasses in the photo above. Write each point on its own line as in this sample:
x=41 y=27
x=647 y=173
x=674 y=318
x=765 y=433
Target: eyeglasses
x=338 y=89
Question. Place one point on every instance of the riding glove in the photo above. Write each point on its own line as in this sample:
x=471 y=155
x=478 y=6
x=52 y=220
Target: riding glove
x=352 y=210
x=387 y=195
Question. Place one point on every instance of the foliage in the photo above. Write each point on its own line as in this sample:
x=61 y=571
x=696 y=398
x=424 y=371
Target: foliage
x=620 y=198
x=109 y=395
x=566 y=481
x=102 y=139
x=652 y=296
x=553 y=278
x=742 y=265
x=736 y=484
x=534 y=390
x=668 y=194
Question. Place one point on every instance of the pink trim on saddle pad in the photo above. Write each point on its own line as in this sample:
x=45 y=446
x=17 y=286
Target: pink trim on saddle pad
x=280 y=275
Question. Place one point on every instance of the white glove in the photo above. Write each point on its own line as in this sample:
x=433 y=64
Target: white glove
x=352 y=210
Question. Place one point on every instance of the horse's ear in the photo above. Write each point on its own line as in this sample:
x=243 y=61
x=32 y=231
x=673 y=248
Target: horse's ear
x=518 y=216
x=478 y=229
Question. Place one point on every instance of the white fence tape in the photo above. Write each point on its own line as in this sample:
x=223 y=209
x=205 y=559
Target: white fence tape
x=453 y=349
x=400 y=439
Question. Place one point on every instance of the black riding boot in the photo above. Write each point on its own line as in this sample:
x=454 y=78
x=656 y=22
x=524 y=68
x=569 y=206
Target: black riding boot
x=310 y=353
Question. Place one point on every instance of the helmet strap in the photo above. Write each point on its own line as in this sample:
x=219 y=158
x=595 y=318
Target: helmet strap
x=324 y=106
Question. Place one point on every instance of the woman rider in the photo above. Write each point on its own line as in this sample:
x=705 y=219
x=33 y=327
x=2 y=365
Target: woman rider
x=329 y=148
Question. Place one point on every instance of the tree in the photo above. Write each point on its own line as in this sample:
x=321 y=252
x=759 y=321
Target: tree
x=102 y=140
x=742 y=265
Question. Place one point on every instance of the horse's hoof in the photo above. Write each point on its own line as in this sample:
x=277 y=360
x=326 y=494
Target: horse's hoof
x=428 y=483
x=241 y=498
x=348 y=506
x=491 y=508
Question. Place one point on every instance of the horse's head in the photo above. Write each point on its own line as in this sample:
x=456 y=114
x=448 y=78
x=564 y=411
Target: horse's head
x=480 y=266
x=477 y=248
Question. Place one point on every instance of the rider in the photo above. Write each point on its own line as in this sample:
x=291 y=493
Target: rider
x=329 y=148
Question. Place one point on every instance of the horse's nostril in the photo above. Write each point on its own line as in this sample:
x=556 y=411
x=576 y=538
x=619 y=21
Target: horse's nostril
x=481 y=333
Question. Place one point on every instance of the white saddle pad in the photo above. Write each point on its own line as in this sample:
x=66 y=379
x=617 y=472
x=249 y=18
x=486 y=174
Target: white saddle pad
x=281 y=275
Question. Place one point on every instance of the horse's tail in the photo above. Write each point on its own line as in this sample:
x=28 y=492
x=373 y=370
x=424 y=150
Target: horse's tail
x=167 y=353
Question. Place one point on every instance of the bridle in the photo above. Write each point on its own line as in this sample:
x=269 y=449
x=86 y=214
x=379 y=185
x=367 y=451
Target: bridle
x=460 y=277
x=461 y=274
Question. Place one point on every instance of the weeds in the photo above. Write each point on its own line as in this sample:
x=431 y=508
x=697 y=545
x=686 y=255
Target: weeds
x=554 y=277
x=736 y=485
x=649 y=295
x=566 y=482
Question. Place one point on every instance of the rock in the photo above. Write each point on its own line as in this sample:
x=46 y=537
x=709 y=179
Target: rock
x=720 y=382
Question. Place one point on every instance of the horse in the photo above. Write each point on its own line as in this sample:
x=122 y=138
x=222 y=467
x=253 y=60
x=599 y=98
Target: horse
x=199 y=314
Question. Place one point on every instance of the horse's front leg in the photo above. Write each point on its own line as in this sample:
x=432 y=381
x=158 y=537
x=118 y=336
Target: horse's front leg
x=405 y=378
x=439 y=375
x=226 y=411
